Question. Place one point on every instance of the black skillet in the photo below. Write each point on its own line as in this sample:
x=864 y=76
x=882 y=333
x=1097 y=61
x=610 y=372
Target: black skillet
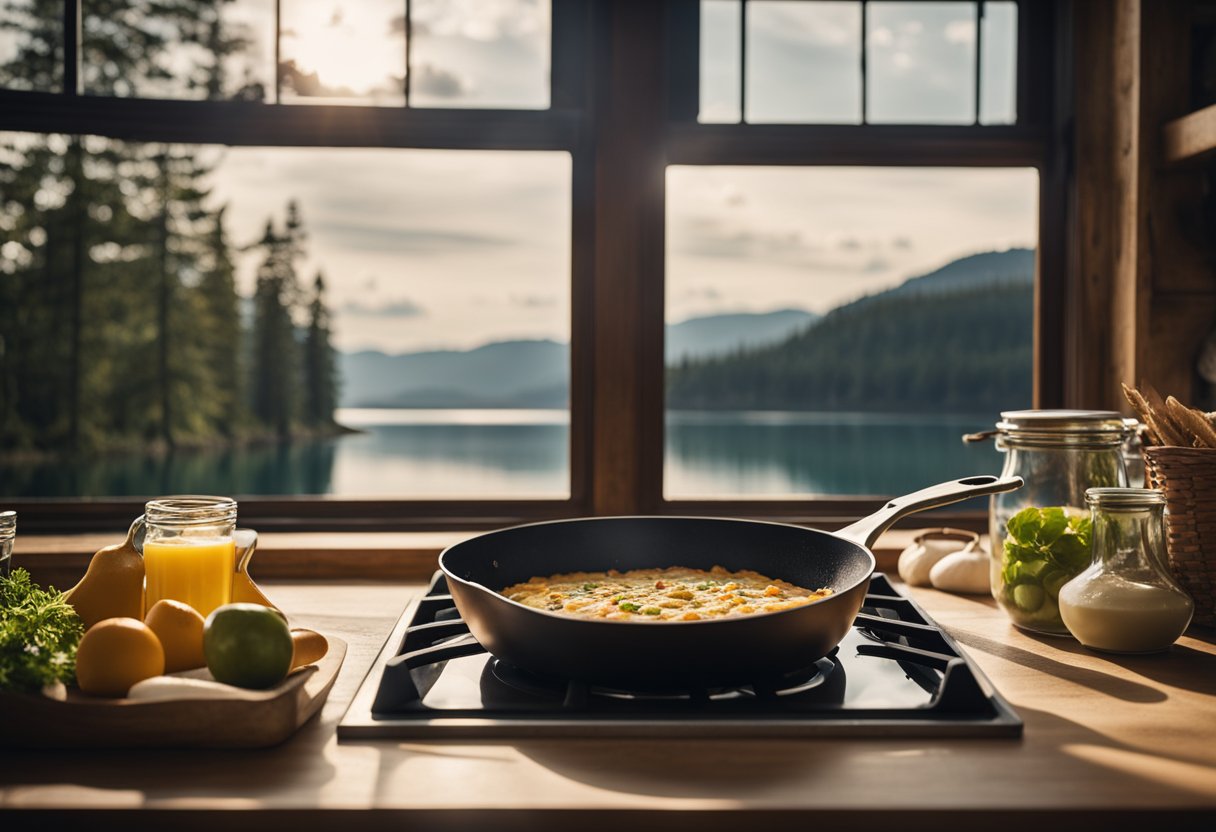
x=676 y=654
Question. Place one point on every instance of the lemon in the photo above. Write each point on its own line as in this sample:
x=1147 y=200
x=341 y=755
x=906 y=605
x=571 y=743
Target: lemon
x=180 y=630
x=247 y=645
x=115 y=654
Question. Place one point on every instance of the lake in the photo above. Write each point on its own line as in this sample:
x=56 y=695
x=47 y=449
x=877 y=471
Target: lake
x=524 y=454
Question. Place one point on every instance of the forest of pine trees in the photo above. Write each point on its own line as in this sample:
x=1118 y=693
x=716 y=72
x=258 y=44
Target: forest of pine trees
x=962 y=351
x=120 y=321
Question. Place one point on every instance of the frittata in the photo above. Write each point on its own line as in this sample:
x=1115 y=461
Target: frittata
x=674 y=594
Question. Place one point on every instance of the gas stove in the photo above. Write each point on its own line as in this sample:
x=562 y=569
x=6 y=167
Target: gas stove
x=895 y=674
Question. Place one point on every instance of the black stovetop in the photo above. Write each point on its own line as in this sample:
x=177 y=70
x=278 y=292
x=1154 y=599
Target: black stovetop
x=895 y=673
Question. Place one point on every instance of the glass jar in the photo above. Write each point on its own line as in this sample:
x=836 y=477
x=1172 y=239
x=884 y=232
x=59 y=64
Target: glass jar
x=189 y=551
x=1126 y=602
x=1040 y=534
x=1133 y=454
x=8 y=531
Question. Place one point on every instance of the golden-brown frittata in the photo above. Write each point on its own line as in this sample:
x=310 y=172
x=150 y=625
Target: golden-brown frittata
x=674 y=594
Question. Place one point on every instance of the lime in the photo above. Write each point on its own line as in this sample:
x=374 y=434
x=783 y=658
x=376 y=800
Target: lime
x=247 y=645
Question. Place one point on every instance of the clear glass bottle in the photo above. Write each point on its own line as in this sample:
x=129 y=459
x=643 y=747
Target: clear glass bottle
x=1126 y=602
x=1060 y=454
x=8 y=531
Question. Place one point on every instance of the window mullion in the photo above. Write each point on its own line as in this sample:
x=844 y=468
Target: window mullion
x=71 y=47
x=630 y=122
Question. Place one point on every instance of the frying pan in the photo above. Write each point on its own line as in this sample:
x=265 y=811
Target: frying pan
x=676 y=654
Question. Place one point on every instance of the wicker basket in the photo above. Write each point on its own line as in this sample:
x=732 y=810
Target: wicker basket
x=1188 y=478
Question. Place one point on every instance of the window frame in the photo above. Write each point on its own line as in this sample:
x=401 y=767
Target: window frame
x=622 y=130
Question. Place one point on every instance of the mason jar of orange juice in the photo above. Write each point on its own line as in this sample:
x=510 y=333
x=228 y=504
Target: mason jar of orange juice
x=189 y=553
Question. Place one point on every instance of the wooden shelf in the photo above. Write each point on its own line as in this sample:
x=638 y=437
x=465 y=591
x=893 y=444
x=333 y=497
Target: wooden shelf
x=1190 y=136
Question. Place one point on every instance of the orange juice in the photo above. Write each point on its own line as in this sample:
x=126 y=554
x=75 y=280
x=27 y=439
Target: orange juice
x=196 y=571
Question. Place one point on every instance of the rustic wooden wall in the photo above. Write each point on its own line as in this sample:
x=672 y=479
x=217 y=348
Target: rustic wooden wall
x=1143 y=291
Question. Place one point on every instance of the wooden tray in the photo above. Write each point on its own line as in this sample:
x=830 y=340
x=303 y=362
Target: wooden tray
x=257 y=719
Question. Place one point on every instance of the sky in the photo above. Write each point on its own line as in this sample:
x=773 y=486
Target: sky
x=428 y=249
x=452 y=249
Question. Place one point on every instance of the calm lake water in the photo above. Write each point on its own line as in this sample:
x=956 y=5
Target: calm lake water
x=523 y=453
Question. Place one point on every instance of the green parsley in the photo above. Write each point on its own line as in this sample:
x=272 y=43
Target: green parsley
x=39 y=632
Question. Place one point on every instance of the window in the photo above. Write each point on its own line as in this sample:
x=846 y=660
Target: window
x=427 y=295
x=836 y=330
x=526 y=155
x=851 y=62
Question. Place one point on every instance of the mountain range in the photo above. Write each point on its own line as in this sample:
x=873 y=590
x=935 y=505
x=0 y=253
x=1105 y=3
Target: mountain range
x=534 y=373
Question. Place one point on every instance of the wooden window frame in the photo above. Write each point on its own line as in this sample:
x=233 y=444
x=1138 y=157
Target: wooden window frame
x=623 y=74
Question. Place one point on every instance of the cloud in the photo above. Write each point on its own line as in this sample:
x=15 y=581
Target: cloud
x=395 y=239
x=725 y=239
x=534 y=301
x=481 y=20
x=882 y=36
x=827 y=25
x=438 y=82
x=701 y=293
x=389 y=309
x=749 y=244
x=960 y=31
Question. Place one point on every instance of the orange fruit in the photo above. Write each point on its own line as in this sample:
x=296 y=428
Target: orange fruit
x=179 y=627
x=115 y=654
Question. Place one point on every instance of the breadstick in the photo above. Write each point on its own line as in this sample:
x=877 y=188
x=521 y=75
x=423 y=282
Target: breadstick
x=1161 y=434
x=1170 y=432
x=1194 y=422
x=1145 y=411
x=1141 y=407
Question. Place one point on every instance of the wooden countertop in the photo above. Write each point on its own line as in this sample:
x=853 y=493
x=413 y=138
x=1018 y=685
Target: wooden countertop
x=1107 y=739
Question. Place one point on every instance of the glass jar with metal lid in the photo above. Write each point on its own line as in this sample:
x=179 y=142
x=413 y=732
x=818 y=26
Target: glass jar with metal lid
x=8 y=531
x=1041 y=534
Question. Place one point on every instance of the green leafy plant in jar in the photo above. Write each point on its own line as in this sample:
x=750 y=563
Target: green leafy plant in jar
x=1044 y=549
x=1039 y=535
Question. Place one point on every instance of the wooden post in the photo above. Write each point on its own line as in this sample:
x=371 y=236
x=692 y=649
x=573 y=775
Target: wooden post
x=630 y=159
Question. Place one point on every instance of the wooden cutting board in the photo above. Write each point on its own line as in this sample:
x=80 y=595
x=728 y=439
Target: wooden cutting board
x=253 y=719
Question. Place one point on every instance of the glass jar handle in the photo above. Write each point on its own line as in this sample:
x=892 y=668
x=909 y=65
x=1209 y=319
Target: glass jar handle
x=136 y=534
x=244 y=588
x=246 y=541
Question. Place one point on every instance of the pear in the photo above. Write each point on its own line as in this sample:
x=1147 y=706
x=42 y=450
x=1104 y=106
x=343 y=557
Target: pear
x=113 y=586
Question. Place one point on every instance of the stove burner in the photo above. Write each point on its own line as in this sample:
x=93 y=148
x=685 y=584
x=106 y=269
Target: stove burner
x=789 y=684
x=525 y=681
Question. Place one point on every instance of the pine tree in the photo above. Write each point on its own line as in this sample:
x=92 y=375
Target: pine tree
x=221 y=333
x=320 y=384
x=275 y=373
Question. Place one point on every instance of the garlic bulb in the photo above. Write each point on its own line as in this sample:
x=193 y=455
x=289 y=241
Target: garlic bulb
x=928 y=548
x=965 y=571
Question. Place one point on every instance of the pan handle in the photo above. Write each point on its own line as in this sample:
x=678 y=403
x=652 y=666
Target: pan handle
x=866 y=530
